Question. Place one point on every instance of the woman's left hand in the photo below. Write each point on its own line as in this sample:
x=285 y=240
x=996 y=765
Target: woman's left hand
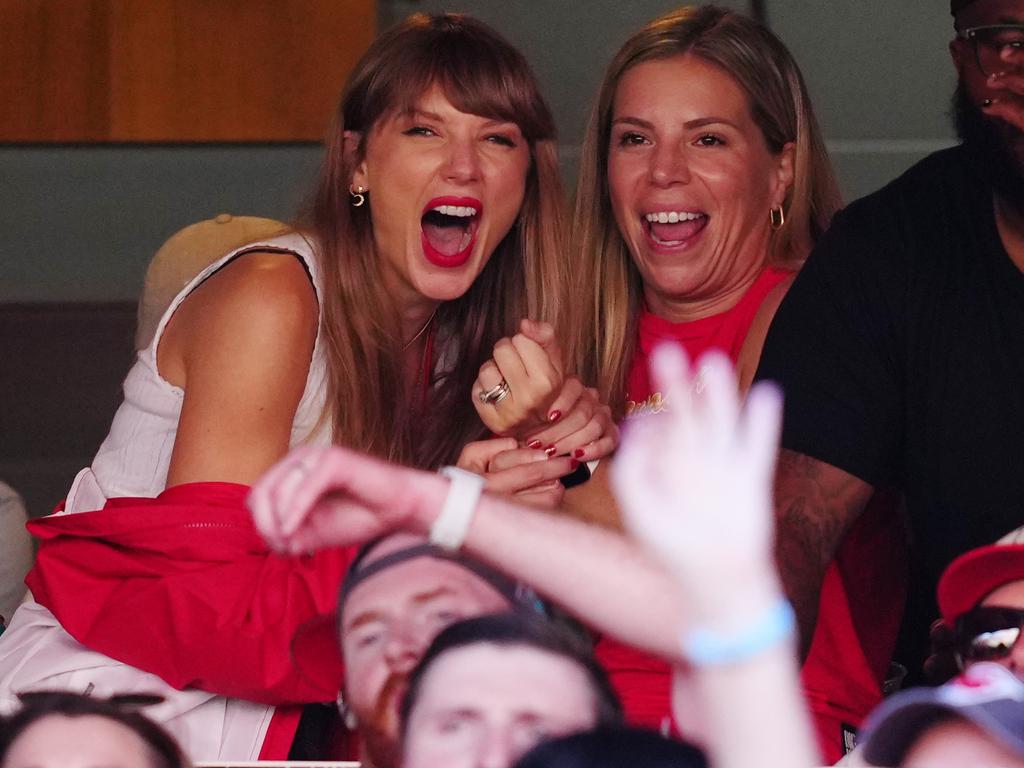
x=582 y=428
x=530 y=366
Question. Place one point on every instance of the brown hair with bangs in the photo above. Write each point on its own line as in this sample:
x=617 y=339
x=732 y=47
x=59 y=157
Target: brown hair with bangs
x=602 y=336
x=370 y=407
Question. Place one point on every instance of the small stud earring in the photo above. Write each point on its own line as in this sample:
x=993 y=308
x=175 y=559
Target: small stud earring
x=777 y=217
x=348 y=717
x=357 y=195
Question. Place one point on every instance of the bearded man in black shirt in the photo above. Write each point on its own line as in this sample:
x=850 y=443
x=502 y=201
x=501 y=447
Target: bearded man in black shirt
x=900 y=346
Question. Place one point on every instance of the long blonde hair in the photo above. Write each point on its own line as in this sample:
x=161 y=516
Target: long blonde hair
x=606 y=281
x=369 y=406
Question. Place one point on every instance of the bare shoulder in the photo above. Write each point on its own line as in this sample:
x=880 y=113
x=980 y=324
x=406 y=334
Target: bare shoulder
x=750 y=353
x=261 y=301
x=262 y=288
x=243 y=342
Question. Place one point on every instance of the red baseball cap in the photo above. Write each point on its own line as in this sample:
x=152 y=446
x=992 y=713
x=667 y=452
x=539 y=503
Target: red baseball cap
x=975 y=574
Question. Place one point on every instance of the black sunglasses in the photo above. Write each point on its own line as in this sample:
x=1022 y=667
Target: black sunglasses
x=987 y=633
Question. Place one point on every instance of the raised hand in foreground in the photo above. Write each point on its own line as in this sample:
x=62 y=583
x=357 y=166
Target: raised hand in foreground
x=326 y=497
x=694 y=484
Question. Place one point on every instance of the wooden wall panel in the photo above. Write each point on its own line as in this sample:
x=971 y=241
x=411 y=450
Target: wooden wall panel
x=177 y=70
x=53 y=70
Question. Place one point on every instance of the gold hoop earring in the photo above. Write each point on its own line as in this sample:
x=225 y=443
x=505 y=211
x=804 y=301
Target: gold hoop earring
x=777 y=217
x=357 y=195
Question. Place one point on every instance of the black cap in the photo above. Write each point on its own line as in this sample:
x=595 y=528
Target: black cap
x=955 y=6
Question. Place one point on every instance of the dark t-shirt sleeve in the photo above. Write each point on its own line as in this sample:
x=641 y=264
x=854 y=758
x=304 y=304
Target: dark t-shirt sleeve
x=832 y=349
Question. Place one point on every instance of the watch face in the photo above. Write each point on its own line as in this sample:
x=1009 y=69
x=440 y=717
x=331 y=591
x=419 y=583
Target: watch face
x=578 y=476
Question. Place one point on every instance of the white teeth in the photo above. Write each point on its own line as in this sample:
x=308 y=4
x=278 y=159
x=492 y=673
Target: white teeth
x=462 y=211
x=672 y=217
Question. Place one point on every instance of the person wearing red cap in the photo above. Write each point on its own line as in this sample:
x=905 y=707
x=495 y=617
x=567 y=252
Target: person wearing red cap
x=981 y=597
x=900 y=345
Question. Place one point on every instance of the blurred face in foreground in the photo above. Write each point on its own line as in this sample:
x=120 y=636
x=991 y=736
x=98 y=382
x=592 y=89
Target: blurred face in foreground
x=956 y=744
x=483 y=705
x=86 y=741
x=388 y=622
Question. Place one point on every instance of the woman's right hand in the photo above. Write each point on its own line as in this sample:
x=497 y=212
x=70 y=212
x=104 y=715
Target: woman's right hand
x=583 y=427
x=530 y=365
x=525 y=474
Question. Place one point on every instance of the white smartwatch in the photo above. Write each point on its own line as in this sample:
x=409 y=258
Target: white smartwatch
x=451 y=526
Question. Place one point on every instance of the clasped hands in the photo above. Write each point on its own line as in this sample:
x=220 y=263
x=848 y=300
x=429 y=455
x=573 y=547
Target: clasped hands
x=548 y=422
x=694 y=484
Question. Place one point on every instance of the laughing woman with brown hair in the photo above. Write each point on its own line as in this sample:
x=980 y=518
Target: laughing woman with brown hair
x=434 y=231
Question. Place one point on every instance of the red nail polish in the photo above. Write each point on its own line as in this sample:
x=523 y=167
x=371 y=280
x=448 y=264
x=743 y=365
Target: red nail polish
x=535 y=444
x=550 y=451
x=578 y=453
x=555 y=415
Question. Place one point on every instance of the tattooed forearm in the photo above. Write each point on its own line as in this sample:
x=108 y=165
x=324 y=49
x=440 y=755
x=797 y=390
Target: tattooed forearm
x=815 y=504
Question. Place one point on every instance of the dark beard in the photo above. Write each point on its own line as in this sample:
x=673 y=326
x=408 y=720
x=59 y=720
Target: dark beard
x=990 y=144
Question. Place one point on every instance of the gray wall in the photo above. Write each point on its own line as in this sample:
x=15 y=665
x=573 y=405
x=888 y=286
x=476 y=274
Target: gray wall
x=881 y=79
x=80 y=223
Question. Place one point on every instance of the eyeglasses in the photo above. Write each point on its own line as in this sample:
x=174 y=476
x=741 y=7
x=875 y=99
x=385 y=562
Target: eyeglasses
x=996 y=46
x=988 y=633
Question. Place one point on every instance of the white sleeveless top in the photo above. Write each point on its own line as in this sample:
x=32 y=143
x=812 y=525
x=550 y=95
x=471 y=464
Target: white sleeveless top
x=35 y=651
x=134 y=458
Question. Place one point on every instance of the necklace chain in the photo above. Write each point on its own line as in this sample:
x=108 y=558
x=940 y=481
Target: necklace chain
x=422 y=330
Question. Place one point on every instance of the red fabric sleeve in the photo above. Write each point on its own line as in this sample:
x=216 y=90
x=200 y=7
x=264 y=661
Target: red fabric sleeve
x=183 y=586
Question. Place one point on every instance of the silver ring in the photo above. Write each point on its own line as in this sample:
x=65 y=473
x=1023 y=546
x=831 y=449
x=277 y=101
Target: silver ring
x=495 y=394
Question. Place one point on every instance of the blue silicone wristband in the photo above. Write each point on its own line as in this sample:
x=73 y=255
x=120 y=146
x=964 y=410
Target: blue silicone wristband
x=705 y=647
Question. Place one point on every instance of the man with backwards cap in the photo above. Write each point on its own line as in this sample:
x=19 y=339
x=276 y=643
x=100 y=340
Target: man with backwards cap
x=900 y=346
x=398 y=594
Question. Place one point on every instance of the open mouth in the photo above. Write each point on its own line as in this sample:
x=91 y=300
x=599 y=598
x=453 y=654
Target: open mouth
x=672 y=229
x=449 y=226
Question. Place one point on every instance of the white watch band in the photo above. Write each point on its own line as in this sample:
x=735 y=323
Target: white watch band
x=450 y=528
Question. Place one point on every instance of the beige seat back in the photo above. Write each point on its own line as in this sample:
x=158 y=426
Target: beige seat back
x=185 y=254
